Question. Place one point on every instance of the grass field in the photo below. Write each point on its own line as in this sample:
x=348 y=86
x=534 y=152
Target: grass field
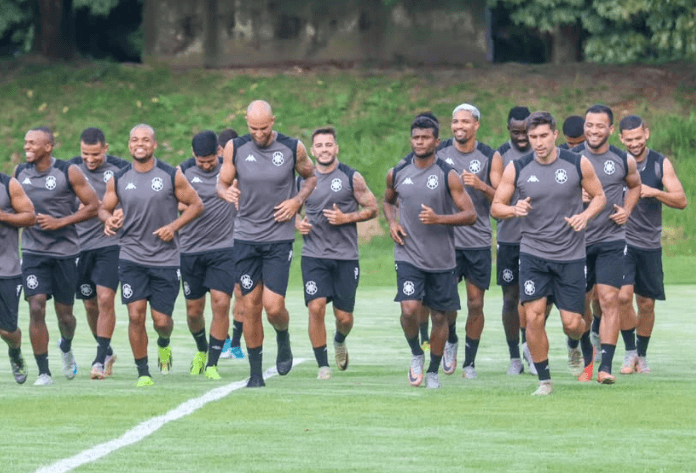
x=368 y=418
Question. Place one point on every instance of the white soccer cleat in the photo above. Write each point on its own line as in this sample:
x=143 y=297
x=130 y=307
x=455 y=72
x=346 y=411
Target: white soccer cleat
x=43 y=380
x=469 y=372
x=528 y=358
x=576 y=362
x=431 y=381
x=449 y=358
x=69 y=364
x=516 y=367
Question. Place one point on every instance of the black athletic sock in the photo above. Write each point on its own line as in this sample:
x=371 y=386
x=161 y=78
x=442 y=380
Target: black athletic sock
x=14 y=353
x=322 y=356
x=424 y=336
x=514 y=348
x=595 y=324
x=470 y=349
x=629 y=338
x=237 y=331
x=642 y=345
x=435 y=361
x=201 y=342
x=453 y=338
x=141 y=364
x=587 y=348
x=339 y=337
x=572 y=343
x=162 y=342
x=607 y=357
x=543 y=371
x=255 y=360
x=214 y=350
x=523 y=335
x=65 y=345
x=42 y=363
x=282 y=336
x=415 y=346
x=102 y=349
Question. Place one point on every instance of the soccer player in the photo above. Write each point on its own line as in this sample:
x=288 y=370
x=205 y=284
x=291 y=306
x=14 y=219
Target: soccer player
x=643 y=261
x=573 y=131
x=207 y=255
x=50 y=247
x=480 y=167
x=149 y=192
x=96 y=279
x=264 y=163
x=16 y=210
x=606 y=241
x=425 y=187
x=549 y=186
x=330 y=269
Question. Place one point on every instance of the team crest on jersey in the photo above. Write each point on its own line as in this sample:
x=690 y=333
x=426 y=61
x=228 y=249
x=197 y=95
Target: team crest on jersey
x=108 y=175
x=336 y=185
x=127 y=291
x=311 y=288
x=409 y=288
x=32 y=281
x=157 y=184
x=475 y=166
x=432 y=182
x=529 y=287
x=50 y=183
x=246 y=281
x=609 y=167
x=187 y=288
x=19 y=289
x=278 y=158
x=561 y=176
x=357 y=272
x=508 y=275
x=86 y=290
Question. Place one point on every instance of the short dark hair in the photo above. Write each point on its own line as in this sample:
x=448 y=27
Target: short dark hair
x=205 y=143
x=326 y=130
x=429 y=114
x=226 y=135
x=518 y=113
x=92 y=136
x=425 y=122
x=574 y=126
x=599 y=108
x=631 y=122
x=47 y=131
x=540 y=118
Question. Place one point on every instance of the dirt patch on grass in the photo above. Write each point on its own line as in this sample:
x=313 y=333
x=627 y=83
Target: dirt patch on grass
x=368 y=230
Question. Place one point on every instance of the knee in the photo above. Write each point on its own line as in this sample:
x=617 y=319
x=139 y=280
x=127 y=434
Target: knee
x=409 y=310
x=136 y=318
x=105 y=302
x=161 y=323
x=574 y=326
x=475 y=305
x=344 y=318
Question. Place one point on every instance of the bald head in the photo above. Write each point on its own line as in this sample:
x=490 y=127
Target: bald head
x=259 y=109
x=260 y=121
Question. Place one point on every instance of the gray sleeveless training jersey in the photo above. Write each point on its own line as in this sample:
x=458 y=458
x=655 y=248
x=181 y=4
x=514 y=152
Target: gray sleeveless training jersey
x=9 y=235
x=52 y=194
x=148 y=202
x=611 y=168
x=326 y=240
x=427 y=247
x=556 y=192
x=266 y=178
x=213 y=230
x=644 y=226
x=509 y=231
x=477 y=162
x=91 y=232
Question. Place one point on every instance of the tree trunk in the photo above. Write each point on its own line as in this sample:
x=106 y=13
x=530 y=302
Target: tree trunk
x=150 y=18
x=565 y=44
x=54 y=28
x=211 y=42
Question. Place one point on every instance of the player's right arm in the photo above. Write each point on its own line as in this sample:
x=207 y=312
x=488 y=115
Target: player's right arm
x=396 y=231
x=590 y=184
x=674 y=195
x=225 y=188
x=106 y=210
x=501 y=208
x=23 y=215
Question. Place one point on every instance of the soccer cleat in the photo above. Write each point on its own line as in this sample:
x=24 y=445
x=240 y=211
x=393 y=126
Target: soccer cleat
x=256 y=381
x=237 y=353
x=642 y=365
x=425 y=346
x=630 y=361
x=109 y=364
x=605 y=378
x=545 y=388
x=469 y=372
x=597 y=344
x=431 y=381
x=449 y=358
x=516 y=367
x=211 y=372
x=144 y=381
x=198 y=363
x=19 y=369
x=415 y=372
x=575 y=361
x=587 y=373
x=528 y=358
x=164 y=360
x=43 y=380
x=324 y=373
x=98 y=371
x=341 y=356
x=69 y=364
x=284 y=357
x=227 y=349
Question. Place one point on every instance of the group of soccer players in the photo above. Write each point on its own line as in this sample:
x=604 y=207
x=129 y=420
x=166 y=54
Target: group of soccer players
x=571 y=225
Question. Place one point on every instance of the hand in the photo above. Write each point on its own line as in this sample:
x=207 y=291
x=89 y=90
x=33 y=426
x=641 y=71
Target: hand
x=577 y=222
x=620 y=216
x=164 y=233
x=585 y=197
x=397 y=233
x=112 y=225
x=427 y=216
x=335 y=216
x=647 y=191
x=304 y=226
x=286 y=210
x=522 y=207
x=46 y=222
x=118 y=213
x=232 y=194
x=471 y=180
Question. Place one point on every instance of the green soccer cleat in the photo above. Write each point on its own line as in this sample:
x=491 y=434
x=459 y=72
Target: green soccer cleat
x=198 y=363
x=211 y=372
x=164 y=360
x=144 y=381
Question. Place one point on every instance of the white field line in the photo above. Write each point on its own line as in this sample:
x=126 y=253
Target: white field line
x=150 y=426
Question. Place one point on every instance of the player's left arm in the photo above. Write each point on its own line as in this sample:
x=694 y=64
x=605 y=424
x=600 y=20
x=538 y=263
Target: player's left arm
x=87 y=196
x=621 y=214
x=467 y=211
x=23 y=215
x=187 y=195
x=287 y=209
x=473 y=181
x=365 y=199
x=674 y=195
x=496 y=173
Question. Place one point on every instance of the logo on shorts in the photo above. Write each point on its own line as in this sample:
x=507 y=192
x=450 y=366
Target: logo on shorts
x=187 y=288
x=108 y=175
x=86 y=290
x=178 y=274
x=290 y=256
x=585 y=271
x=432 y=182
x=336 y=185
x=561 y=176
x=409 y=288
x=311 y=288
x=609 y=167
x=625 y=250
x=247 y=281
x=357 y=272
x=127 y=291
x=529 y=287
x=278 y=158
x=19 y=289
x=157 y=184
x=508 y=275
x=50 y=183
x=475 y=166
x=32 y=281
